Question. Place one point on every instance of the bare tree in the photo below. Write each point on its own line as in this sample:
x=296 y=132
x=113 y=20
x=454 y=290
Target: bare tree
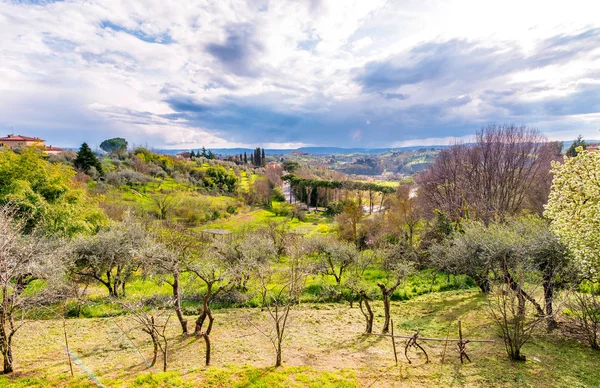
x=398 y=270
x=23 y=259
x=491 y=178
x=154 y=324
x=586 y=309
x=280 y=289
x=513 y=316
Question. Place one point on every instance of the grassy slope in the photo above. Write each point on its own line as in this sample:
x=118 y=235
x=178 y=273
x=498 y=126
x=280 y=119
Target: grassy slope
x=257 y=218
x=324 y=348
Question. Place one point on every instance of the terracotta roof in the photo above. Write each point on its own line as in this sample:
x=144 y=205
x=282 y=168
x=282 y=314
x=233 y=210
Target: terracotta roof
x=19 y=138
x=50 y=148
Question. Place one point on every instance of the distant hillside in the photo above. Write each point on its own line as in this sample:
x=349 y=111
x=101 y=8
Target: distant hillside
x=309 y=150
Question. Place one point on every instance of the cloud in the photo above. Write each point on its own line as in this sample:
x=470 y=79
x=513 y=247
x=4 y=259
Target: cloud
x=239 y=50
x=321 y=72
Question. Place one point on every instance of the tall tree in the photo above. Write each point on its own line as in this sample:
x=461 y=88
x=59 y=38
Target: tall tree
x=117 y=146
x=263 y=160
x=573 y=208
x=245 y=158
x=579 y=142
x=488 y=179
x=86 y=159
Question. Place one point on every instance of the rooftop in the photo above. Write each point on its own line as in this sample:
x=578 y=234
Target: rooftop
x=19 y=138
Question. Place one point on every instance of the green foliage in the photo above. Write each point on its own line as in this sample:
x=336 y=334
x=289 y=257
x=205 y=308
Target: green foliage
x=116 y=145
x=45 y=193
x=86 y=159
x=290 y=166
x=573 y=149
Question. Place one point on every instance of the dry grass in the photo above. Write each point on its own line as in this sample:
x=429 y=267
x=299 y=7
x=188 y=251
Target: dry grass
x=324 y=346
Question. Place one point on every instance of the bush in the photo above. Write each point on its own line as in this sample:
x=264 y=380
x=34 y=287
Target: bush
x=281 y=209
x=230 y=209
x=333 y=209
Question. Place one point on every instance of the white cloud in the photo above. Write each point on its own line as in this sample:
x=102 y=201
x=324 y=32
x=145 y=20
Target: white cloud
x=83 y=70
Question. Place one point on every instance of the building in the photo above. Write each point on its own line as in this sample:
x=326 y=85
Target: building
x=12 y=141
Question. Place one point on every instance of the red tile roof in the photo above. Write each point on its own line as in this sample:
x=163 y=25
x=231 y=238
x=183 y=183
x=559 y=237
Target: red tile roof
x=19 y=138
x=50 y=148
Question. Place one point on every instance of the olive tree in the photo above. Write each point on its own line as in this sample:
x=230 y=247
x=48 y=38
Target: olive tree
x=24 y=258
x=397 y=262
x=109 y=257
x=168 y=255
x=222 y=266
x=332 y=256
x=358 y=285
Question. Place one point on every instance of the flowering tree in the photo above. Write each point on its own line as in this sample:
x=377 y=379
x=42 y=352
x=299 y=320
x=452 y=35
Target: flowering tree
x=574 y=208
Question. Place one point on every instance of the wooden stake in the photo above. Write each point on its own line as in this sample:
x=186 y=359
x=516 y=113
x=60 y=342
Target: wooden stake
x=445 y=345
x=394 y=343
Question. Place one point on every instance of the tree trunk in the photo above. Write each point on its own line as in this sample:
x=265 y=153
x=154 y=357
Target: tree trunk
x=165 y=362
x=368 y=314
x=548 y=299
x=205 y=311
x=386 y=311
x=177 y=297
x=155 y=349
x=207 y=341
x=278 y=357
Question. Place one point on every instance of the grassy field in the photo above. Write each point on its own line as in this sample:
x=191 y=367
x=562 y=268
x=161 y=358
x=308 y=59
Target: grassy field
x=254 y=219
x=324 y=347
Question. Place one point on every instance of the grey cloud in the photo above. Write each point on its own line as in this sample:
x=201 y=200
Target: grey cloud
x=239 y=50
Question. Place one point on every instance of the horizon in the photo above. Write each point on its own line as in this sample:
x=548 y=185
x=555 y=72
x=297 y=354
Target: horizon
x=289 y=75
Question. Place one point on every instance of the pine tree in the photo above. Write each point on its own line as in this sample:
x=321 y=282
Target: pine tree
x=579 y=142
x=204 y=154
x=210 y=155
x=192 y=154
x=86 y=159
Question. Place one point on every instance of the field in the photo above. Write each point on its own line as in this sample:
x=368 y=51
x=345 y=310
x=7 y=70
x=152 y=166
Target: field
x=325 y=347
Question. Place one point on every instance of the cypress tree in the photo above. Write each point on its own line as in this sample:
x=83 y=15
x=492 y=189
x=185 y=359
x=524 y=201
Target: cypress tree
x=245 y=158
x=251 y=159
x=86 y=159
x=263 y=160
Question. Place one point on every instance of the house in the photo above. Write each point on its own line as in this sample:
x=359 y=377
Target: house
x=12 y=141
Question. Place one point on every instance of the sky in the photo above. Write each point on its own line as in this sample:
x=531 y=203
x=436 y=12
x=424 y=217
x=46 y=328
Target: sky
x=291 y=73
